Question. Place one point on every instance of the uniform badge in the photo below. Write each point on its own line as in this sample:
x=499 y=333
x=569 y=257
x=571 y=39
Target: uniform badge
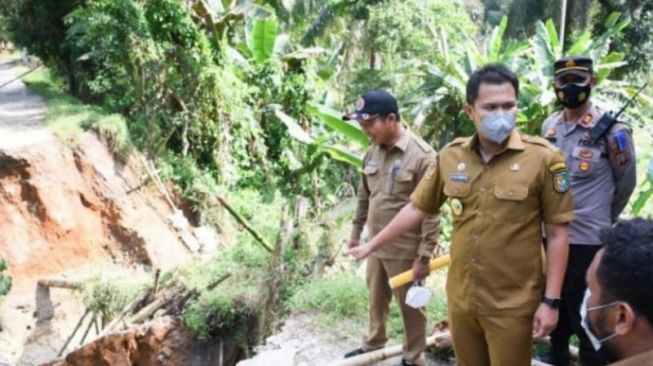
x=561 y=181
x=584 y=166
x=587 y=119
x=459 y=177
x=586 y=153
x=461 y=167
x=560 y=176
x=551 y=132
x=515 y=167
x=457 y=206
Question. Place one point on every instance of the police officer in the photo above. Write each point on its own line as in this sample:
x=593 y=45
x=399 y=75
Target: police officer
x=502 y=186
x=392 y=168
x=602 y=175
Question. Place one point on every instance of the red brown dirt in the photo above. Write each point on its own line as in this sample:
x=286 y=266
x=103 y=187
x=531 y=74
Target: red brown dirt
x=61 y=208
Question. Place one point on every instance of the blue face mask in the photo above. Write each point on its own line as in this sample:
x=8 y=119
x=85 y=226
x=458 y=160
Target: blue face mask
x=497 y=127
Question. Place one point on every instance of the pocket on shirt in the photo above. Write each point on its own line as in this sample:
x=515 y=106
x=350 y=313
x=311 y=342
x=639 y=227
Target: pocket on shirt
x=510 y=200
x=372 y=177
x=403 y=184
x=457 y=189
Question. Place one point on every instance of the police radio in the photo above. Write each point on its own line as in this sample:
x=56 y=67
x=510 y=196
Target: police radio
x=607 y=120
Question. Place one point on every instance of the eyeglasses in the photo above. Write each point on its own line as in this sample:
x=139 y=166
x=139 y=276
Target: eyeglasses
x=369 y=122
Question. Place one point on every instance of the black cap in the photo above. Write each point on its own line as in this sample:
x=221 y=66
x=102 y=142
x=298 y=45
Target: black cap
x=578 y=65
x=377 y=101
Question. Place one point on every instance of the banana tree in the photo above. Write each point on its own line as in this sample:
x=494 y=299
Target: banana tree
x=348 y=150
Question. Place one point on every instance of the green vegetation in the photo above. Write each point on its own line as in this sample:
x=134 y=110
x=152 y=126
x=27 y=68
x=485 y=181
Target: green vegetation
x=108 y=292
x=5 y=281
x=242 y=99
x=68 y=116
x=340 y=301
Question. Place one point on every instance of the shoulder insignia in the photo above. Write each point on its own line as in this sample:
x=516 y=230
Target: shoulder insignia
x=550 y=132
x=587 y=119
x=557 y=166
x=619 y=147
x=560 y=176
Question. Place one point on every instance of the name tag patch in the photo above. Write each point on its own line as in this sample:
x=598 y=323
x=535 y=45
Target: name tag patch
x=459 y=177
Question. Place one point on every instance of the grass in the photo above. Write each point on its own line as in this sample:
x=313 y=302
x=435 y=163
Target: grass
x=341 y=301
x=68 y=117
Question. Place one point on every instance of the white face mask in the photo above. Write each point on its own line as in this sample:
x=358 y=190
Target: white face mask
x=585 y=323
x=418 y=296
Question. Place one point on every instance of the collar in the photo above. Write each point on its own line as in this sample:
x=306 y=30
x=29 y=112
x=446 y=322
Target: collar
x=404 y=139
x=587 y=120
x=515 y=142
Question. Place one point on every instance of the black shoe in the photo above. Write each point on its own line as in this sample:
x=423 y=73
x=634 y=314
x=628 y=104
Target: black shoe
x=406 y=363
x=550 y=358
x=356 y=352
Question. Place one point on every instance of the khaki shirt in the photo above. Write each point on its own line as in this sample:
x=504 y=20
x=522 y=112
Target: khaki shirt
x=603 y=173
x=498 y=210
x=642 y=359
x=389 y=177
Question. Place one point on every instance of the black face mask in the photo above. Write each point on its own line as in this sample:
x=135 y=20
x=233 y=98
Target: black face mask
x=573 y=95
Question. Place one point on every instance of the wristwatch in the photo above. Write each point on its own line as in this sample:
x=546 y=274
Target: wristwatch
x=424 y=259
x=554 y=303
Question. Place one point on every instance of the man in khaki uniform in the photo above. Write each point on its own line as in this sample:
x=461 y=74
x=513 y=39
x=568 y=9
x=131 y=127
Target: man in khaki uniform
x=617 y=309
x=502 y=186
x=392 y=167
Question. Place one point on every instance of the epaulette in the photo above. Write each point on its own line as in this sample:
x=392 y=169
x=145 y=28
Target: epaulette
x=423 y=145
x=536 y=140
x=458 y=141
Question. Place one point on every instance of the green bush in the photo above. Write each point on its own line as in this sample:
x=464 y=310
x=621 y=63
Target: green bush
x=5 y=281
x=108 y=292
x=228 y=311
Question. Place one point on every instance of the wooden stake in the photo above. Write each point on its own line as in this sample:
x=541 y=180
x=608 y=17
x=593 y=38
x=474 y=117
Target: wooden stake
x=70 y=338
x=88 y=329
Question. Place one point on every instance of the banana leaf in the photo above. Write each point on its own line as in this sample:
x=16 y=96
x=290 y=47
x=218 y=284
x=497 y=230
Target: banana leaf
x=262 y=37
x=334 y=120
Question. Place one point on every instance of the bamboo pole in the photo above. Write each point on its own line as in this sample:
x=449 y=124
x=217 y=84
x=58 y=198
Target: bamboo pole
x=409 y=276
x=70 y=338
x=370 y=358
x=245 y=224
x=88 y=329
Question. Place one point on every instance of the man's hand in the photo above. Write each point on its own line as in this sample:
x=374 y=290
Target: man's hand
x=421 y=270
x=360 y=252
x=353 y=243
x=544 y=321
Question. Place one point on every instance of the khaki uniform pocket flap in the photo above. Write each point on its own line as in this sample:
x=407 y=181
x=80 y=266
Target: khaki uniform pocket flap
x=511 y=192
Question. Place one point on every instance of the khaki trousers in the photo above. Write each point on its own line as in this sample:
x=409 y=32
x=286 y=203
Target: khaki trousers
x=378 y=273
x=490 y=340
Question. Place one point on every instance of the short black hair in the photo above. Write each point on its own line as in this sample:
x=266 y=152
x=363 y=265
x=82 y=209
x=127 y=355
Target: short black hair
x=626 y=269
x=490 y=74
